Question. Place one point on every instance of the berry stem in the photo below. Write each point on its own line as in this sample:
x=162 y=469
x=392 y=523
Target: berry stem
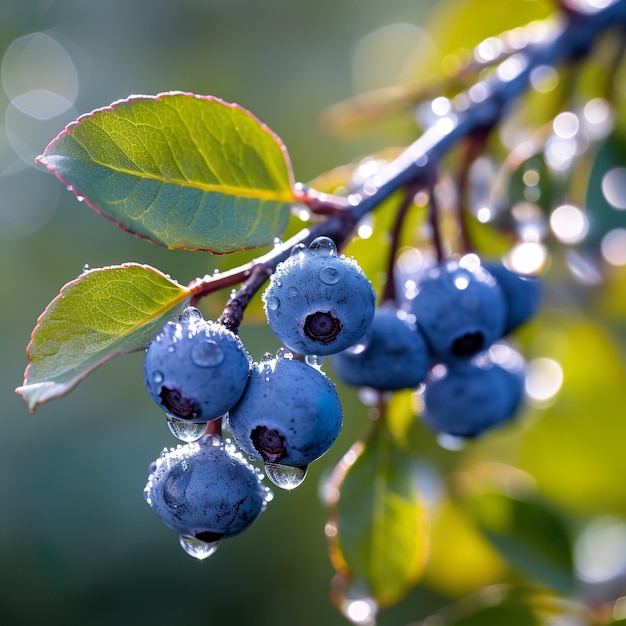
x=414 y=166
x=433 y=220
x=389 y=291
x=232 y=315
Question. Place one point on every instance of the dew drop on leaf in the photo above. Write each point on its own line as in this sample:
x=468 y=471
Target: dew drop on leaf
x=196 y=548
x=286 y=476
x=183 y=430
x=323 y=246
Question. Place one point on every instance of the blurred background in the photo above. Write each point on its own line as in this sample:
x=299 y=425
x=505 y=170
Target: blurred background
x=78 y=544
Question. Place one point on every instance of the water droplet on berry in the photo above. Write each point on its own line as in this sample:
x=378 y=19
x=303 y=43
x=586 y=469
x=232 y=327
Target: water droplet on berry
x=329 y=275
x=283 y=353
x=285 y=476
x=157 y=377
x=183 y=430
x=323 y=246
x=191 y=313
x=314 y=360
x=277 y=242
x=297 y=249
x=207 y=354
x=292 y=292
x=272 y=303
x=171 y=348
x=196 y=548
x=267 y=357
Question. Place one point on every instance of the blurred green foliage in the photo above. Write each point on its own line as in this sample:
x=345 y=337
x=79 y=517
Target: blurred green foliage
x=539 y=500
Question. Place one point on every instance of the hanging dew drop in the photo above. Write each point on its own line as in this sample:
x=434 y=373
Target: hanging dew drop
x=198 y=549
x=285 y=476
x=450 y=442
x=185 y=431
x=207 y=354
x=329 y=275
x=323 y=246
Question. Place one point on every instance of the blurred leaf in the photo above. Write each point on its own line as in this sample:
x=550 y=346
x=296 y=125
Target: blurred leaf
x=381 y=535
x=501 y=605
x=603 y=216
x=103 y=313
x=456 y=26
x=460 y=559
x=529 y=534
x=180 y=170
x=574 y=446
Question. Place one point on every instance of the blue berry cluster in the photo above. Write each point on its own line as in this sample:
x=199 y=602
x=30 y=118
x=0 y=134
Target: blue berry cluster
x=284 y=412
x=281 y=411
x=446 y=340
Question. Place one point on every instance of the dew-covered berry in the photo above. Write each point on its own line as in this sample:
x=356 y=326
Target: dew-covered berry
x=318 y=302
x=522 y=293
x=205 y=490
x=392 y=354
x=196 y=370
x=465 y=399
x=289 y=415
x=460 y=308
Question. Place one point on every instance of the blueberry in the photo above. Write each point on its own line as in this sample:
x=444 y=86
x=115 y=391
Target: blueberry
x=392 y=355
x=196 y=370
x=460 y=308
x=522 y=293
x=467 y=398
x=205 y=490
x=318 y=302
x=289 y=415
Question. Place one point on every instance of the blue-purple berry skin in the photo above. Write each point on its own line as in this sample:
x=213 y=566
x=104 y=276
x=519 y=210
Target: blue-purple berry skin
x=522 y=293
x=196 y=370
x=467 y=399
x=205 y=489
x=319 y=303
x=290 y=414
x=392 y=355
x=460 y=308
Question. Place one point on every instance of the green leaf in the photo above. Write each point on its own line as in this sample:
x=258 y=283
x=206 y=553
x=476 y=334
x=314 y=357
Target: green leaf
x=103 y=313
x=381 y=537
x=529 y=534
x=180 y=170
x=498 y=605
x=604 y=190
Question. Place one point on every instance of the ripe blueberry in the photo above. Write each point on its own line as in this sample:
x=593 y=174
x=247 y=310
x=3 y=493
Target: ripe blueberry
x=196 y=370
x=522 y=293
x=205 y=490
x=392 y=355
x=460 y=308
x=289 y=415
x=465 y=399
x=318 y=302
